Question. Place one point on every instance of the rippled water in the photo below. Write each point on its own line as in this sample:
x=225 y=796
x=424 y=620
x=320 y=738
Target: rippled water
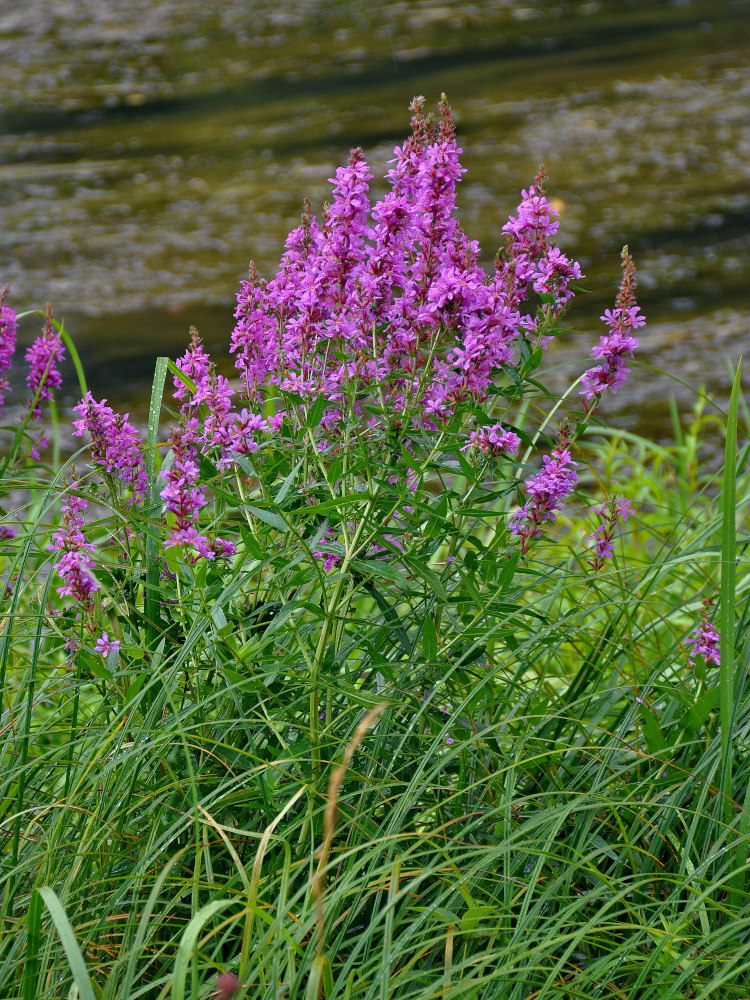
x=149 y=149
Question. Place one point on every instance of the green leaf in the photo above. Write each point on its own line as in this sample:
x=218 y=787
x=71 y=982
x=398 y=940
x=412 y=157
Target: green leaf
x=33 y=944
x=185 y=379
x=283 y=490
x=355 y=695
x=315 y=413
x=652 y=731
x=429 y=576
x=378 y=568
x=268 y=517
x=477 y=915
x=695 y=717
x=69 y=943
x=429 y=638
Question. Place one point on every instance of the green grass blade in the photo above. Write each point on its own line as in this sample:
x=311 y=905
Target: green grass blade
x=188 y=944
x=31 y=966
x=69 y=943
x=74 y=355
x=728 y=573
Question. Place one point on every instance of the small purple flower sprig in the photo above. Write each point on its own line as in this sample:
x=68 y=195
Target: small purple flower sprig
x=44 y=376
x=618 y=345
x=116 y=445
x=546 y=492
x=704 y=640
x=610 y=513
x=75 y=565
x=8 y=334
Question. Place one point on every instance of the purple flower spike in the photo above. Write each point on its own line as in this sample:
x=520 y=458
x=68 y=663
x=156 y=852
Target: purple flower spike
x=705 y=641
x=8 y=331
x=547 y=491
x=43 y=357
x=617 y=509
x=75 y=565
x=618 y=345
x=116 y=445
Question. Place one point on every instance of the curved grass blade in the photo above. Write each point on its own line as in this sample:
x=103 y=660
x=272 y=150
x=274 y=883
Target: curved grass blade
x=69 y=943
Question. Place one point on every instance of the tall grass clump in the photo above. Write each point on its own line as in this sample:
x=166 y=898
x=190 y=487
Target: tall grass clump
x=381 y=672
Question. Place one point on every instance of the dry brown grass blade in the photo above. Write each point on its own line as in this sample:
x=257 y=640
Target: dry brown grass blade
x=329 y=821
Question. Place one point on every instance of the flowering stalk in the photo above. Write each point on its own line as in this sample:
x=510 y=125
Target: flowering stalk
x=116 y=445
x=616 y=509
x=43 y=358
x=618 y=345
x=547 y=491
x=75 y=565
x=185 y=498
x=704 y=640
x=494 y=441
x=8 y=331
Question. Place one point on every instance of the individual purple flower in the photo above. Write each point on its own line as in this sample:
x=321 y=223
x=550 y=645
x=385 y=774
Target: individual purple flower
x=618 y=345
x=116 y=445
x=75 y=565
x=603 y=536
x=546 y=491
x=494 y=441
x=329 y=558
x=43 y=357
x=104 y=645
x=8 y=331
x=705 y=641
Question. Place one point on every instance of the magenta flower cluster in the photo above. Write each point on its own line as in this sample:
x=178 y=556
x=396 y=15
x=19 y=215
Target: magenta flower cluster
x=603 y=536
x=44 y=357
x=116 y=445
x=704 y=640
x=494 y=441
x=618 y=345
x=389 y=300
x=184 y=496
x=8 y=332
x=547 y=490
x=75 y=566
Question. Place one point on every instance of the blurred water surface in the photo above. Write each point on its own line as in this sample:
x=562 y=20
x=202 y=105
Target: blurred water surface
x=149 y=149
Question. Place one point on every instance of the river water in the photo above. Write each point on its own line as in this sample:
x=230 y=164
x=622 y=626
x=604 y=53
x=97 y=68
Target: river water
x=150 y=148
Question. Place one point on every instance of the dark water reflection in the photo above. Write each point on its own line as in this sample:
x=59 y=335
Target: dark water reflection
x=149 y=149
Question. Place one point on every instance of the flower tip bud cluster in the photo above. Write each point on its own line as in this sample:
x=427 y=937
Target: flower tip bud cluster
x=603 y=536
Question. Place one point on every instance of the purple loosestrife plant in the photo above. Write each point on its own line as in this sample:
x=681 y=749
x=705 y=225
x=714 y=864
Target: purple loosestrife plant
x=8 y=332
x=75 y=565
x=546 y=492
x=116 y=445
x=618 y=345
x=610 y=512
x=43 y=358
x=381 y=322
x=704 y=640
